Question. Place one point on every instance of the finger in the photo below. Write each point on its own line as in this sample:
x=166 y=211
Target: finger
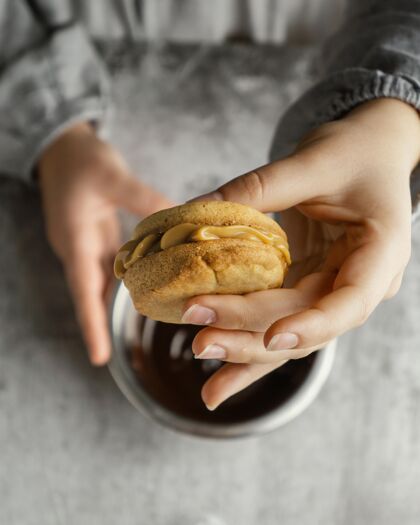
x=231 y=379
x=236 y=346
x=87 y=285
x=231 y=346
x=360 y=285
x=256 y=311
x=139 y=198
x=275 y=186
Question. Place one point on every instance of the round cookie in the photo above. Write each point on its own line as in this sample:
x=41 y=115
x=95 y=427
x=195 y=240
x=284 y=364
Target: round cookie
x=160 y=282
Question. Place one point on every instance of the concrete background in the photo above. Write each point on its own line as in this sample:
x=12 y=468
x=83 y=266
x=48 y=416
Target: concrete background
x=73 y=451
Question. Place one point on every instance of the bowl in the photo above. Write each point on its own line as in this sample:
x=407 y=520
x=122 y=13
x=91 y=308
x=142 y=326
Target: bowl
x=153 y=365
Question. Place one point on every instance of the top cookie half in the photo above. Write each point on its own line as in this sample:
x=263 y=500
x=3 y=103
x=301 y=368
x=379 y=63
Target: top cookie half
x=202 y=213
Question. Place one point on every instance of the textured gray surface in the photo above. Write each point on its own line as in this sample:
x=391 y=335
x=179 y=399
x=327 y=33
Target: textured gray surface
x=72 y=450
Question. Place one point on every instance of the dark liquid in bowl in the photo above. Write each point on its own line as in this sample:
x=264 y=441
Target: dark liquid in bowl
x=165 y=366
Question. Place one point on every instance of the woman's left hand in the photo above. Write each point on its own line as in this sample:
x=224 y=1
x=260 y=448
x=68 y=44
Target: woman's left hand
x=345 y=202
x=83 y=182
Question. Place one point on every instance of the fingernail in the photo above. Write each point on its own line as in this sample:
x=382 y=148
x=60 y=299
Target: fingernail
x=197 y=314
x=212 y=196
x=283 y=341
x=212 y=352
x=211 y=406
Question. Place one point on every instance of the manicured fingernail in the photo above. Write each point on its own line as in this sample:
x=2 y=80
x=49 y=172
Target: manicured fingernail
x=283 y=341
x=211 y=408
x=212 y=352
x=197 y=314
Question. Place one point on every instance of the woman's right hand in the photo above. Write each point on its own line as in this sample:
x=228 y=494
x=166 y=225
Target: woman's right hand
x=344 y=195
x=83 y=182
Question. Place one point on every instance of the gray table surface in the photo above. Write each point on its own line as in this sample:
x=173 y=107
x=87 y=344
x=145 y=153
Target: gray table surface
x=73 y=451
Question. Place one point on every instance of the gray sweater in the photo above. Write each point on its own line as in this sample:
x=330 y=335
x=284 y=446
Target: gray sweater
x=51 y=75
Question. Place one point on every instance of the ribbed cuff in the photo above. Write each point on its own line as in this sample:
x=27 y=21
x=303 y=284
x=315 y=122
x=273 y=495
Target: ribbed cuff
x=45 y=91
x=87 y=110
x=342 y=92
x=335 y=96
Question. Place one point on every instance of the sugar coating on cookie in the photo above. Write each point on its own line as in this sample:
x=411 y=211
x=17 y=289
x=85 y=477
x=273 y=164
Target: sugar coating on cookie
x=161 y=280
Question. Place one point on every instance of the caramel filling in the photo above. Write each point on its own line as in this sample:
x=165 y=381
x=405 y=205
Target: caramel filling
x=187 y=232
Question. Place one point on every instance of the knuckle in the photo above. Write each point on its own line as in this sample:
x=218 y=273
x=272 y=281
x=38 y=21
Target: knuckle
x=252 y=186
x=244 y=355
x=325 y=330
x=241 y=321
x=241 y=316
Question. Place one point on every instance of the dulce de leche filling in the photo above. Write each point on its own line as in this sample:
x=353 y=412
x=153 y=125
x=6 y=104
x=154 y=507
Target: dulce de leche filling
x=187 y=232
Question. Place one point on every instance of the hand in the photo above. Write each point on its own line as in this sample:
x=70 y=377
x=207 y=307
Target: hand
x=83 y=181
x=348 y=218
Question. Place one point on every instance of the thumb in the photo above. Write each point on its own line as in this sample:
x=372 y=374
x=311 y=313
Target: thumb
x=273 y=187
x=139 y=198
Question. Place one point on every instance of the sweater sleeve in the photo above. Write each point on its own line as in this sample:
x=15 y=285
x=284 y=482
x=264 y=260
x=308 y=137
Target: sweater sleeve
x=50 y=77
x=375 y=54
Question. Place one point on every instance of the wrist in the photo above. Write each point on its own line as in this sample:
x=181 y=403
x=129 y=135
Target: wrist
x=394 y=119
x=77 y=131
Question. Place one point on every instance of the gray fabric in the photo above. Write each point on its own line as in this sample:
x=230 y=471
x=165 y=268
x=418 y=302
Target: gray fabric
x=50 y=77
x=375 y=54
